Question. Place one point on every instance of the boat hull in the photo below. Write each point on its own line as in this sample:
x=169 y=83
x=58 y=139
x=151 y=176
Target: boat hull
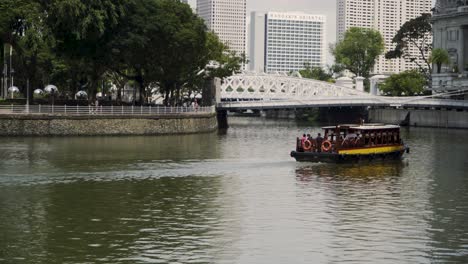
x=348 y=157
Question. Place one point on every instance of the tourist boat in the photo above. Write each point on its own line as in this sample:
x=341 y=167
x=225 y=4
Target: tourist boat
x=348 y=143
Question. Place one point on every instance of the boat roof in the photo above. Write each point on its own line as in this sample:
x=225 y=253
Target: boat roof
x=364 y=126
x=379 y=127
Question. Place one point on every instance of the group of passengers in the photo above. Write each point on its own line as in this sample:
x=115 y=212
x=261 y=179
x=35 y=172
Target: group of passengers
x=330 y=142
x=326 y=143
x=308 y=143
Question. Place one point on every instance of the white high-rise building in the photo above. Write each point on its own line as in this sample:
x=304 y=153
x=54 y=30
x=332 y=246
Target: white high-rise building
x=386 y=16
x=284 y=42
x=226 y=18
x=256 y=42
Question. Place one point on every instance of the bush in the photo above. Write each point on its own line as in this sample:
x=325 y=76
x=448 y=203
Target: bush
x=407 y=83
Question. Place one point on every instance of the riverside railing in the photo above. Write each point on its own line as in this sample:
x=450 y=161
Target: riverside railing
x=101 y=110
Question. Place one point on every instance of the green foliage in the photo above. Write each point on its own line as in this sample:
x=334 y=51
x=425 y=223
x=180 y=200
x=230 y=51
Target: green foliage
x=359 y=50
x=407 y=83
x=439 y=57
x=415 y=33
x=83 y=44
x=316 y=73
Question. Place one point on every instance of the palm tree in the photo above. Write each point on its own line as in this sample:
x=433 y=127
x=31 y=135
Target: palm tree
x=439 y=57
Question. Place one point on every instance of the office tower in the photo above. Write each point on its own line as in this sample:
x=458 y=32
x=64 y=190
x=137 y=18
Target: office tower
x=227 y=18
x=386 y=16
x=285 y=42
x=256 y=52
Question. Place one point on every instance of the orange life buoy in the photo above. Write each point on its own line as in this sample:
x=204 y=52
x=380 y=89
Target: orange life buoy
x=326 y=146
x=307 y=145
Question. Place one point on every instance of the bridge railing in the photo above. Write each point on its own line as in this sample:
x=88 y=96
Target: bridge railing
x=396 y=102
x=100 y=110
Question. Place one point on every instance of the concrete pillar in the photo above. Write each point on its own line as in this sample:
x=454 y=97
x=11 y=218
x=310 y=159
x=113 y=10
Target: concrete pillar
x=222 y=119
x=360 y=83
x=374 y=83
x=217 y=92
x=212 y=92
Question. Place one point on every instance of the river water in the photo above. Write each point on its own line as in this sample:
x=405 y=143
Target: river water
x=234 y=197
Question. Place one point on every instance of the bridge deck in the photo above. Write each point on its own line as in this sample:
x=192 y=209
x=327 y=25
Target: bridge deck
x=396 y=102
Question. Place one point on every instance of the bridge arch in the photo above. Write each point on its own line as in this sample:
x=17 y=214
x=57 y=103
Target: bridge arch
x=250 y=86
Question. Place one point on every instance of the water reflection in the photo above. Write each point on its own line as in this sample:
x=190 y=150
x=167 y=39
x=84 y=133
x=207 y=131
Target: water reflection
x=75 y=158
x=370 y=210
x=351 y=172
x=166 y=220
x=234 y=197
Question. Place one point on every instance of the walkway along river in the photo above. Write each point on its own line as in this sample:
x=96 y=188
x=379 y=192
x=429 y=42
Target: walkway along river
x=230 y=198
x=108 y=120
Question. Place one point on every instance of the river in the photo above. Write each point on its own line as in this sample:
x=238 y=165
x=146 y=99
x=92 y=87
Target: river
x=234 y=197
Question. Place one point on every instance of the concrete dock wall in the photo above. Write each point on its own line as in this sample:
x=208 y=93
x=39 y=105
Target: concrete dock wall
x=47 y=125
x=425 y=118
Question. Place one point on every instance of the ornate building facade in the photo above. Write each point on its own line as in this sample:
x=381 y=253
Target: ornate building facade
x=450 y=30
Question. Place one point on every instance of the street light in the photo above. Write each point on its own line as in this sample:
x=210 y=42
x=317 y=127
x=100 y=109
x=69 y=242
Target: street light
x=3 y=91
x=12 y=73
x=81 y=95
x=12 y=90
x=38 y=92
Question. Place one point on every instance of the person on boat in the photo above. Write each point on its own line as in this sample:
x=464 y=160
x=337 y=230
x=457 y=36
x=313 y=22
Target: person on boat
x=311 y=139
x=303 y=139
x=319 y=141
x=349 y=140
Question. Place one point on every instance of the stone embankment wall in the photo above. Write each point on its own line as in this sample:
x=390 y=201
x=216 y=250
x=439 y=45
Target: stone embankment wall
x=424 y=118
x=45 y=125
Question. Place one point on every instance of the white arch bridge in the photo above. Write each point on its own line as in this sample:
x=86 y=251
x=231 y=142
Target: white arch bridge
x=275 y=91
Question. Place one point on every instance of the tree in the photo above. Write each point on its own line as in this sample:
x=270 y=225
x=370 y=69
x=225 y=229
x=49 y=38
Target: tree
x=84 y=31
x=407 y=83
x=316 y=73
x=415 y=33
x=182 y=53
x=439 y=57
x=79 y=44
x=358 y=50
x=22 y=26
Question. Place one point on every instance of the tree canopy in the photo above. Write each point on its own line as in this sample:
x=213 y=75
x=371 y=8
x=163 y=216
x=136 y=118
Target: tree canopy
x=359 y=50
x=407 y=83
x=84 y=44
x=439 y=57
x=414 y=34
x=316 y=73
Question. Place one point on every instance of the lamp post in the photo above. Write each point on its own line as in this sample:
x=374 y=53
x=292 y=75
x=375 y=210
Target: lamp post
x=5 y=81
x=12 y=74
x=27 y=96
